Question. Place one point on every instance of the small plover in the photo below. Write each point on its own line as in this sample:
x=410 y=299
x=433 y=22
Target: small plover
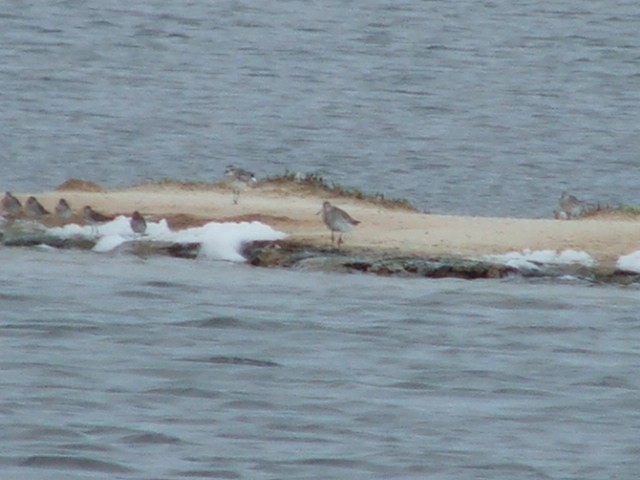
x=63 y=210
x=138 y=223
x=238 y=179
x=11 y=204
x=570 y=206
x=337 y=220
x=34 y=208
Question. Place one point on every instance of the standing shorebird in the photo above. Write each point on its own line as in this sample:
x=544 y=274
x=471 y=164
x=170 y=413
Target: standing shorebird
x=138 y=223
x=239 y=180
x=570 y=206
x=34 y=208
x=63 y=210
x=93 y=218
x=11 y=204
x=337 y=220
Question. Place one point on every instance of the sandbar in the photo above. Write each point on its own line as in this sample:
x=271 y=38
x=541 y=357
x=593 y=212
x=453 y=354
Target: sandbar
x=384 y=229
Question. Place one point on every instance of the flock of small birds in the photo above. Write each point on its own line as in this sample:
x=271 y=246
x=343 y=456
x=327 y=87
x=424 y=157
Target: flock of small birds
x=337 y=220
x=13 y=209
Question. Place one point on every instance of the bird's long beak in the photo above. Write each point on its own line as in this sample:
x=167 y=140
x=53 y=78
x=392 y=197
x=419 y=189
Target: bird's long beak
x=319 y=212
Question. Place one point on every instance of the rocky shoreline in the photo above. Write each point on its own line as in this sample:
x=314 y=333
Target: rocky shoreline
x=303 y=256
x=297 y=255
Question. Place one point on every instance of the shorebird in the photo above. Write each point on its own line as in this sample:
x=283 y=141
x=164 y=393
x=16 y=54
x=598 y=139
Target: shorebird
x=63 y=210
x=570 y=206
x=34 y=208
x=138 y=223
x=337 y=220
x=11 y=204
x=93 y=218
x=238 y=179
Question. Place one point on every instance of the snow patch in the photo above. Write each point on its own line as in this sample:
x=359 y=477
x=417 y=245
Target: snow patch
x=629 y=263
x=221 y=241
x=536 y=259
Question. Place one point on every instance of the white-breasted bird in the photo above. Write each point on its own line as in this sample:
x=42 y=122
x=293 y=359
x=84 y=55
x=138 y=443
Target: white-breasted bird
x=570 y=206
x=34 y=208
x=239 y=179
x=63 y=210
x=11 y=204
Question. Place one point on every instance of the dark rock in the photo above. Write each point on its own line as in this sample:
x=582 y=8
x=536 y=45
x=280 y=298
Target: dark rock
x=183 y=250
x=291 y=255
x=30 y=234
x=276 y=253
x=26 y=233
x=620 y=277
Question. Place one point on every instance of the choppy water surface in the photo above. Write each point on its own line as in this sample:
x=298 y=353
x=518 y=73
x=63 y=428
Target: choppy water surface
x=120 y=367
x=461 y=107
x=115 y=366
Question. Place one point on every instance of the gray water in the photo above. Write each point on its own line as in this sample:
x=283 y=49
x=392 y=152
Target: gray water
x=165 y=368
x=461 y=107
x=114 y=366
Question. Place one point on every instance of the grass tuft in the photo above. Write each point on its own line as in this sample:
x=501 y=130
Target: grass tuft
x=602 y=210
x=179 y=184
x=316 y=184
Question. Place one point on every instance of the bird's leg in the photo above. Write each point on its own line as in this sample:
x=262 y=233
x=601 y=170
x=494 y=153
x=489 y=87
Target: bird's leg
x=340 y=241
x=236 y=196
x=332 y=238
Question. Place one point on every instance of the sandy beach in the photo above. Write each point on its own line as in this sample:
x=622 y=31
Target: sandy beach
x=383 y=229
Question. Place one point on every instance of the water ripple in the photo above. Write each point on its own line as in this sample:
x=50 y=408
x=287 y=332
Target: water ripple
x=74 y=463
x=213 y=322
x=243 y=361
x=151 y=438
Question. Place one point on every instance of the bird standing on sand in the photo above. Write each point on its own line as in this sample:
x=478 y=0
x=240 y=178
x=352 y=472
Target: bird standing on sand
x=570 y=206
x=337 y=220
x=34 y=208
x=63 y=210
x=138 y=223
x=238 y=179
x=11 y=204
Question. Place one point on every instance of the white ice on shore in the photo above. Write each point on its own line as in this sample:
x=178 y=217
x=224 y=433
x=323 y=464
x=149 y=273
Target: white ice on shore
x=629 y=263
x=535 y=259
x=221 y=241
